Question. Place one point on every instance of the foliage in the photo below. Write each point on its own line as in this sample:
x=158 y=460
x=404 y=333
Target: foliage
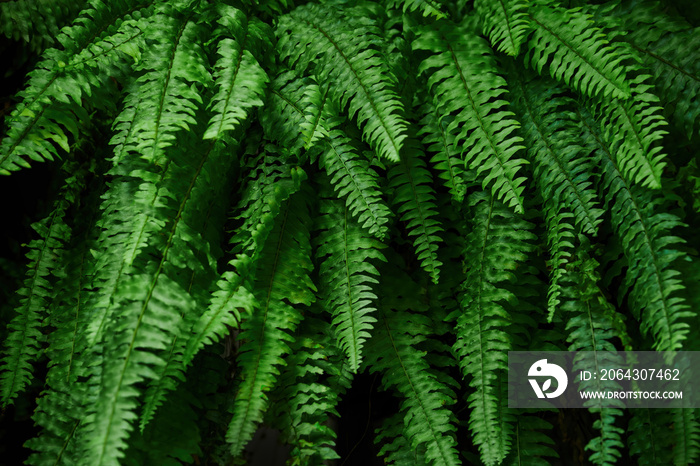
x=258 y=202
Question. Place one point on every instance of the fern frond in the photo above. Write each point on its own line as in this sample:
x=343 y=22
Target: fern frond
x=287 y=115
x=355 y=181
x=651 y=437
x=191 y=253
x=635 y=128
x=643 y=227
x=415 y=200
x=282 y=286
x=231 y=296
x=427 y=7
x=272 y=180
x=166 y=97
x=531 y=445
x=149 y=304
x=505 y=22
x=22 y=345
x=306 y=115
x=347 y=275
x=311 y=385
x=396 y=448
x=560 y=163
x=174 y=437
x=392 y=350
x=59 y=407
x=576 y=52
x=482 y=126
x=591 y=331
x=497 y=244
x=341 y=53
x=670 y=49
x=560 y=238
x=37 y=22
x=67 y=81
x=239 y=79
x=438 y=140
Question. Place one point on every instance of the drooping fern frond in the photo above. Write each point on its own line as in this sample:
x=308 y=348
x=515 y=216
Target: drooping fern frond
x=315 y=378
x=282 y=286
x=427 y=7
x=165 y=95
x=560 y=164
x=392 y=350
x=67 y=81
x=239 y=78
x=499 y=239
x=591 y=331
x=45 y=253
x=575 y=52
x=446 y=158
x=482 y=126
x=635 y=127
x=654 y=439
x=668 y=47
x=505 y=22
x=347 y=276
x=362 y=81
x=37 y=21
x=59 y=408
x=531 y=444
x=396 y=449
x=415 y=202
x=644 y=231
x=274 y=217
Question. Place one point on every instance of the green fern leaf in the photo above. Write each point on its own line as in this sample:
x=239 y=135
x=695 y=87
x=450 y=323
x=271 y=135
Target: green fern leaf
x=223 y=310
x=415 y=200
x=642 y=226
x=427 y=7
x=282 y=285
x=37 y=21
x=531 y=445
x=52 y=106
x=505 y=22
x=633 y=127
x=392 y=350
x=438 y=140
x=22 y=345
x=347 y=275
x=576 y=52
x=396 y=448
x=559 y=160
x=482 y=127
x=166 y=93
x=500 y=240
x=667 y=46
x=360 y=78
x=239 y=78
x=310 y=388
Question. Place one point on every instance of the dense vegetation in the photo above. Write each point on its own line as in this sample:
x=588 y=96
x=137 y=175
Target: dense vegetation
x=251 y=206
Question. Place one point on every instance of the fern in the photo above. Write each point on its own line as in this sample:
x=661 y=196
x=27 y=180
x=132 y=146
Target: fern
x=416 y=205
x=281 y=284
x=347 y=275
x=500 y=241
x=482 y=126
x=45 y=253
x=307 y=33
x=505 y=22
x=392 y=350
x=580 y=54
x=262 y=215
